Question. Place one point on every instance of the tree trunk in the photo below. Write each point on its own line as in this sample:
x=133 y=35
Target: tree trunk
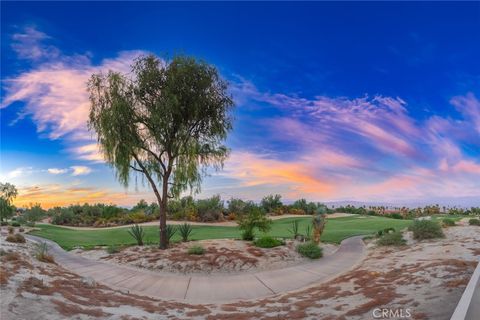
x=163 y=215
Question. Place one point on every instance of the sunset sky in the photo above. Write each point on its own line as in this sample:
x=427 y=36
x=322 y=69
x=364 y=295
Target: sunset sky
x=334 y=101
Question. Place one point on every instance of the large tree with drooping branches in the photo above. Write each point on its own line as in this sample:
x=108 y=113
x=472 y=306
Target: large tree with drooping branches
x=165 y=120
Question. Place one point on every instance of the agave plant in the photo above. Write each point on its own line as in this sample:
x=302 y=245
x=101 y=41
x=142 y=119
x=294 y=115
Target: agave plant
x=294 y=229
x=308 y=232
x=185 y=231
x=171 y=230
x=137 y=233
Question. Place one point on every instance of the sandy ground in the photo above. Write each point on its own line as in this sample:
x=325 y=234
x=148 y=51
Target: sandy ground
x=426 y=278
x=219 y=224
x=221 y=256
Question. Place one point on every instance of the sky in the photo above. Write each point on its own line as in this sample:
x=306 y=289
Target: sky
x=375 y=102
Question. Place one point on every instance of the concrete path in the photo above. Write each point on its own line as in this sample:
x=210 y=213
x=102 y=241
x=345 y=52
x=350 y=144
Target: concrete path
x=214 y=288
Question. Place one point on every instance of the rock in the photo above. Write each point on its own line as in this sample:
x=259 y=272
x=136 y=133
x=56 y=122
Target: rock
x=89 y=282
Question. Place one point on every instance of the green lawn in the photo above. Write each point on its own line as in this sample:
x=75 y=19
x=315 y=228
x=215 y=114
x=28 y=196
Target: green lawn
x=335 y=231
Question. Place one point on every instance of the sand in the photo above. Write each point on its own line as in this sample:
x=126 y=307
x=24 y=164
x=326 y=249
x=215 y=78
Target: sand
x=427 y=278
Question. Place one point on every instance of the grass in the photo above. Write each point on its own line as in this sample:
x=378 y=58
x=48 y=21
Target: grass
x=335 y=231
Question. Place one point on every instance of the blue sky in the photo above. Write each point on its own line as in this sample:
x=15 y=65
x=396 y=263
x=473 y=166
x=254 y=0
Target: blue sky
x=335 y=101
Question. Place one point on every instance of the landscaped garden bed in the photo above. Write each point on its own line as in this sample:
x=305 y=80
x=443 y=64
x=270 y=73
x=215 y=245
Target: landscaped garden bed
x=219 y=256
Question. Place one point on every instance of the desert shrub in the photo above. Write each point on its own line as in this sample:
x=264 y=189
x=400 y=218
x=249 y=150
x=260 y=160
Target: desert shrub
x=385 y=231
x=137 y=233
x=426 y=229
x=15 y=224
x=171 y=230
x=111 y=249
x=210 y=209
x=267 y=242
x=271 y=203
x=198 y=250
x=448 y=222
x=310 y=250
x=395 y=216
x=474 y=222
x=294 y=229
x=30 y=224
x=391 y=239
x=10 y=230
x=4 y=223
x=138 y=217
x=21 y=230
x=185 y=230
x=255 y=218
x=41 y=253
x=16 y=238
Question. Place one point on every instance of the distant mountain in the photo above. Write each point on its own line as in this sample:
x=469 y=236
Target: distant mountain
x=459 y=202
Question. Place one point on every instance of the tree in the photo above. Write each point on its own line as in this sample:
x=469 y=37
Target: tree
x=34 y=213
x=255 y=218
x=8 y=192
x=271 y=202
x=167 y=123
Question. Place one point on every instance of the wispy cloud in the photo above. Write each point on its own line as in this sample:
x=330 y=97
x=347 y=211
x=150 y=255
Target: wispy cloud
x=80 y=170
x=57 y=171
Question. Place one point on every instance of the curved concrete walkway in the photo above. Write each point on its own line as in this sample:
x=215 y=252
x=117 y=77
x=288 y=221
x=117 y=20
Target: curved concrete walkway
x=214 y=288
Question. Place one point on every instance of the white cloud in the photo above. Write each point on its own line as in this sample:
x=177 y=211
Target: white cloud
x=19 y=172
x=80 y=170
x=57 y=171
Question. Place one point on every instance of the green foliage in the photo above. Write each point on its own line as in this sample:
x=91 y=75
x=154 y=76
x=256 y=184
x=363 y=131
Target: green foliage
x=16 y=238
x=310 y=250
x=167 y=124
x=4 y=223
x=385 y=231
x=171 y=230
x=111 y=249
x=185 y=230
x=474 y=222
x=15 y=224
x=391 y=239
x=210 y=209
x=255 y=218
x=137 y=233
x=448 y=222
x=271 y=202
x=8 y=192
x=34 y=213
x=197 y=250
x=6 y=210
x=308 y=207
x=426 y=229
x=394 y=216
x=41 y=253
x=267 y=242
x=294 y=229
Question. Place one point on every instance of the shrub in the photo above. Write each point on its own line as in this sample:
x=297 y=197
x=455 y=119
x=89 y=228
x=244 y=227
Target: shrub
x=385 y=231
x=308 y=232
x=41 y=253
x=4 y=223
x=171 y=230
x=185 y=230
x=248 y=235
x=426 y=229
x=294 y=229
x=111 y=249
x=395 y=216
x=448 y=222
x=474 y=222
x=137 y=233
x=310 y=250
x=10 y=230
x=392 y=239
x=30 y=224
x=15 y=224
x=21 y=229
x=198 y=250
x=16 y=238
x=255 y=218
x=267 y=242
